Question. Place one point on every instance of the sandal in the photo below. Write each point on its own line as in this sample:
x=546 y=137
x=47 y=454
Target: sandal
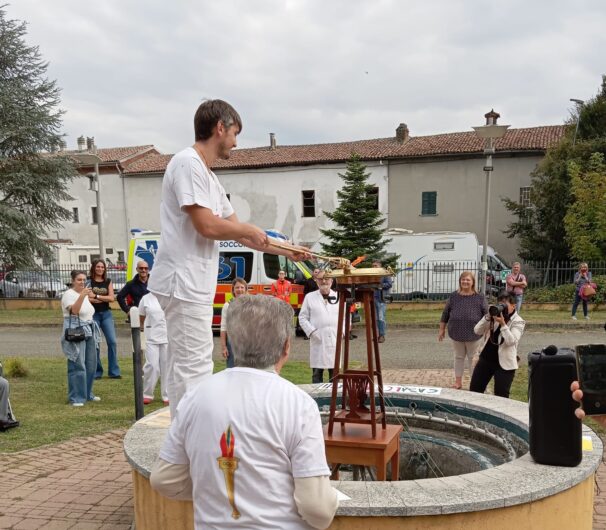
x=460 y=387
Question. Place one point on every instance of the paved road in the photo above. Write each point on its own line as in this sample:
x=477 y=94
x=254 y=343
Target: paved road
x=404 y=348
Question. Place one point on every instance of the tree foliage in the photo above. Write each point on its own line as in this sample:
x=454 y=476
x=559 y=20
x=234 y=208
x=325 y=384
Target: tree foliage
x=585 y=220
x=358 y=224
x=541 y=227
x=32 y=182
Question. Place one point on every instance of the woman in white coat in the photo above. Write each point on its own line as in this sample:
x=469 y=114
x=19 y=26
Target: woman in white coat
x=499 y=354
x=318 y=319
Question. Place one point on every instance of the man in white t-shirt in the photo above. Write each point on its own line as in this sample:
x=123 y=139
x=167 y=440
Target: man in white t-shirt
x=247 y=445
x=194 y=214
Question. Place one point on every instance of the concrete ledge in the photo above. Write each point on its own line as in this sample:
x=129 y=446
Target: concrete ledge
x=513 y=491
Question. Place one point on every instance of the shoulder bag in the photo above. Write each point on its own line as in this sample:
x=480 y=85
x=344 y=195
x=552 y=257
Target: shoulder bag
x=76 y=333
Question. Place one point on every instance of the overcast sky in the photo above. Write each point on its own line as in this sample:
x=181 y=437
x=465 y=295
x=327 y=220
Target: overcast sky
x=312 y=71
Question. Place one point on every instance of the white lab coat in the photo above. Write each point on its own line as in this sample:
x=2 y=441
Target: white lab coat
x=319 y=320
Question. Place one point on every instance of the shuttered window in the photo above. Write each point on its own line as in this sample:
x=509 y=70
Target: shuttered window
x=429 y=200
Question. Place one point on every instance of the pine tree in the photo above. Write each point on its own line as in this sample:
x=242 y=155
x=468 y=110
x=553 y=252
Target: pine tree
x=359 y=225
x=32 y=183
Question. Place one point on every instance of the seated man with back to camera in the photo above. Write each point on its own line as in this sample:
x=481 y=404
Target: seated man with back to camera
x=247 y=445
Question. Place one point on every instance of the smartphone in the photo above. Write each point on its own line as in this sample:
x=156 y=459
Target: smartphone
x=591 y=368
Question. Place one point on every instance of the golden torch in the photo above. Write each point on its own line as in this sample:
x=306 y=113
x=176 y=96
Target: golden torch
x=228 y=464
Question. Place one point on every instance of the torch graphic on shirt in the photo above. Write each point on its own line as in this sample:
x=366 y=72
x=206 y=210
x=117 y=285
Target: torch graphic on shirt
x=228 y=464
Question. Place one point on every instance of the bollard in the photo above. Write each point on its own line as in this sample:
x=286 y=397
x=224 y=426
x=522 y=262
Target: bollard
x=137 y=361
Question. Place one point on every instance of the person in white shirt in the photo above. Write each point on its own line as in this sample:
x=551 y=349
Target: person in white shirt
x=247 y=445
x=194 y=214
x=153 y=324
x=319 y=318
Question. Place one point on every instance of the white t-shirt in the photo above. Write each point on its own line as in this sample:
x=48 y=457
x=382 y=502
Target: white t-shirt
x=277 y=436
x=155 y=322
x=224 y=311
x=69 y=298
x=187 y=263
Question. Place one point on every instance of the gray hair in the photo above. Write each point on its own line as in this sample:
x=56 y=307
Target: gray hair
x=257 y=327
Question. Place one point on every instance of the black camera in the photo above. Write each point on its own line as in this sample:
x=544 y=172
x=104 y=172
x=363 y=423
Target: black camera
x=497 y=310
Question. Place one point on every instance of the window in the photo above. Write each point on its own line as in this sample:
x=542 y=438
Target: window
x=75 y=215
x=109 y=250
x=82 y=258
x=525 y=196
x=374 y=193
x=121 y=256
x=443 y=245
x=309 y=203
x=93 y=214
x=429 y=201
x=274 y=264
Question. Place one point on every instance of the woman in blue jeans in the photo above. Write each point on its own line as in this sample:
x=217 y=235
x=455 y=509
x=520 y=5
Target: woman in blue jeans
x=82 y=355
x=102 y=293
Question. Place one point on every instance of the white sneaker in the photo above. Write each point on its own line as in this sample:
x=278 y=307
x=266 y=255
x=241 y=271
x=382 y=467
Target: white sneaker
x=77 y=404
x=574 y=318
x=95 y=398
x=587 y=317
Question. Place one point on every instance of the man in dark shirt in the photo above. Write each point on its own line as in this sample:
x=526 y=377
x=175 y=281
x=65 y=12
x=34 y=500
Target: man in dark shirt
x=311 y=284
x=130 y=295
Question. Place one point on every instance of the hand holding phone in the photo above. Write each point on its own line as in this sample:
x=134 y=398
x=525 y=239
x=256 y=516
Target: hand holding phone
x=591 y=368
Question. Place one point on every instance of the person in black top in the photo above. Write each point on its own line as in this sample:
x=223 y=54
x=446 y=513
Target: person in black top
x=130 y=295
x=499 y=355
x=102 y=293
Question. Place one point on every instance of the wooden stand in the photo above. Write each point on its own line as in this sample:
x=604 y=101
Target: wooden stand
x=352 y=444
x=358 y=385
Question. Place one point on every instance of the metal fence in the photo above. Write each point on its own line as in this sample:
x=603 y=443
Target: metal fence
x=429 y=280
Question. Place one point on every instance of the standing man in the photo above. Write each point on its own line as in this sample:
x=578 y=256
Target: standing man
x=130 y=295
x=282 y=288
x=379 y=298
x=319 y=319
x=194 y=214
x=311 y=284
x=516 y=283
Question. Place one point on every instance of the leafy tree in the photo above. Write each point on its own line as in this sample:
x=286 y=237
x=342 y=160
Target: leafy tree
x=359 y=226
x=585 y=220
x=540 y=227
x=32 y=182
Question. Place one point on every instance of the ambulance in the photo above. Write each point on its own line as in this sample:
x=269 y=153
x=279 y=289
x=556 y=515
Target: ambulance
x=259 y=269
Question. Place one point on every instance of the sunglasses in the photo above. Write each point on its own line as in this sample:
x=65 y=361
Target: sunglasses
x=142 y=268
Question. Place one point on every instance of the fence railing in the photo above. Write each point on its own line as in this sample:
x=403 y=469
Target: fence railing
x=428 y=280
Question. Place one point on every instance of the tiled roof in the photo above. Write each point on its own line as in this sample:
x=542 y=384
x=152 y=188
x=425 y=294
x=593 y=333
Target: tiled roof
x=528 y=139
x=117 y=154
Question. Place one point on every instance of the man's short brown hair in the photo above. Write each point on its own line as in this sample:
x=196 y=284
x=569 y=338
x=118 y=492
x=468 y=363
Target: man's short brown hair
x=211 y=112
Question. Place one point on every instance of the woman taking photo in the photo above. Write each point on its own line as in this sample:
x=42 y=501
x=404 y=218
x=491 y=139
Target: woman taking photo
x=82 y=355
x=502 y=329
x=101 y=294
x=463 y=309
x=238 y=288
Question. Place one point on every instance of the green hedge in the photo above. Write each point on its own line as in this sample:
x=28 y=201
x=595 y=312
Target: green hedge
x=564 y=294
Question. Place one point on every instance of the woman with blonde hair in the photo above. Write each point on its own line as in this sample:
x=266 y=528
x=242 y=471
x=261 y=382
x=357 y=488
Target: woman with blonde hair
x=581 y=278
x=464 y=308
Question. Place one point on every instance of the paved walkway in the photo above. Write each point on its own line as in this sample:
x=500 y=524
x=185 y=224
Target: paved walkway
x=85 y=483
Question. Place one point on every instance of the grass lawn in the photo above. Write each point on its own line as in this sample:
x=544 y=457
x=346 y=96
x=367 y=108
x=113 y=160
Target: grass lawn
x=40 y=403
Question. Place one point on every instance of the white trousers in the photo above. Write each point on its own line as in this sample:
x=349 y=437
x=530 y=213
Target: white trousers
x=463 y=355
x=154 y=369
x=189 y=356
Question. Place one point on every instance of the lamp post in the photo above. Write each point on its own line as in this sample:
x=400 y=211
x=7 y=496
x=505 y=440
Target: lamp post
x=489 y=132
x=89 y=157
x=580 y=104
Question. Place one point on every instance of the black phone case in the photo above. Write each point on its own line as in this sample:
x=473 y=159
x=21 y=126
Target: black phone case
x=554 y=431
x=593 y=402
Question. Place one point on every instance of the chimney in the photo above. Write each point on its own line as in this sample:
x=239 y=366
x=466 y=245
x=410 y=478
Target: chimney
x=90 y=143
x=272 y=140
x=81 y=143
x=492 y=117
x=402 y=133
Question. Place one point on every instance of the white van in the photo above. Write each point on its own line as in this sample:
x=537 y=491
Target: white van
x=259 y=269
x=430 y=262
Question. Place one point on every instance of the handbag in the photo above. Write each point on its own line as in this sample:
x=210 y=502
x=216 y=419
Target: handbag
x=75 y=334
x=588 y=290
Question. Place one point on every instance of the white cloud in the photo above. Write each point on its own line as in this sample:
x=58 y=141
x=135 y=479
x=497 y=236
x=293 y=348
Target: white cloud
x=313 y=71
